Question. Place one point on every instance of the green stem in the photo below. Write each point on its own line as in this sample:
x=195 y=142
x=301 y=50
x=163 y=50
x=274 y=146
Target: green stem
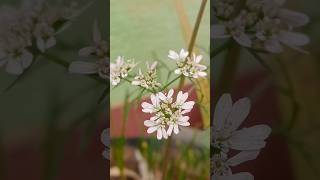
x=228 y=73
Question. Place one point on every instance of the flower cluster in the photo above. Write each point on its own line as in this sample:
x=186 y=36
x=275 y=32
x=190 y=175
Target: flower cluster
x=100 y=51
x=29 y=30
x=188 y=66
x=120 y=70
x=249 y=141
x=147 y=80
x=168 y=114
x=259 y=24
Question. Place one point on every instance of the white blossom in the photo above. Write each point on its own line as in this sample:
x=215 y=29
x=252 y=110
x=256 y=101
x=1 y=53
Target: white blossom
x=120 y=70
x=100 y=47
x=168 y=113
x=99 y=51
x=228 y=117
x=188 y=66
x=260 y=24
x=29 y=30
x=148 y=79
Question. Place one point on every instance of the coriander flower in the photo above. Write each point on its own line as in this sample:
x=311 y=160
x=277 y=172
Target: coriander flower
x=188 y=66
x=227 y=119
x=168 y=113
x=249 y=141
x=100 y=47
x=120 y=70
x=29 y=30
x=259 y=24
x=100 y=67
x=147 y=80
x=99 y=51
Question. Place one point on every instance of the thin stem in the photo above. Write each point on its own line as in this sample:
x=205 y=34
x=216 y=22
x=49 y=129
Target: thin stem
x=228 y=72
x=168 y=84
x=182 y=79
x=220 y=49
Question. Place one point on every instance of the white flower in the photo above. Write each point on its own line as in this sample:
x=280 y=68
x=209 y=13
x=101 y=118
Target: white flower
x=269 y=31
x=44 y=34
x=167 y=113
x=233 y=28
x=260 y=24
x=34 y=21
x=147 y=80
x=227 y=119
x=105 y=139
x=120 y=70
x=100 y=47
x=249 y=141
x=100 y=67
x=16 y=62
x=188 y=66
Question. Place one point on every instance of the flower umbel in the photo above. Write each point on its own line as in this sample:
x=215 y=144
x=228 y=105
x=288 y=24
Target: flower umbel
x=188 y=66
x=147 y=80
x=168 y=114
x=249 y=141
x=120 y=70
x=99 y=51
x=259 y=24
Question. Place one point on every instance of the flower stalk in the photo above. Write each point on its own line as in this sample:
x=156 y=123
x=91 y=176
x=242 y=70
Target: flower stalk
x=181 y=83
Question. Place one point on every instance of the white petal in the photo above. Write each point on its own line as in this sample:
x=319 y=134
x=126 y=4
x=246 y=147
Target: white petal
x=184 y=123
x=198 y=59
x=182 y=97
x=164 y=133
x=162 y=96
x=86 y=51
x=239 y=112
x=243 y=40
x=14 y=67
x=183 y=54
x=153 y=129
x=146 y=105
x=41 y=44
x=293 y=39
x=154 y=100
x=159 y=133
x=293 y=18
x=222 y=110
x=202 y=74
x=105 y=137
x=149 y=123
x=50 y=42
x=250 y=138
x=170 y=93
x=176 y=129
x=169 y=132
x=188 y=105
x=26 y=59
x=184 y=119
x=173 y=55
x=273 y=46
x=82 y=67
x=177 y=71
x=243 y=156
